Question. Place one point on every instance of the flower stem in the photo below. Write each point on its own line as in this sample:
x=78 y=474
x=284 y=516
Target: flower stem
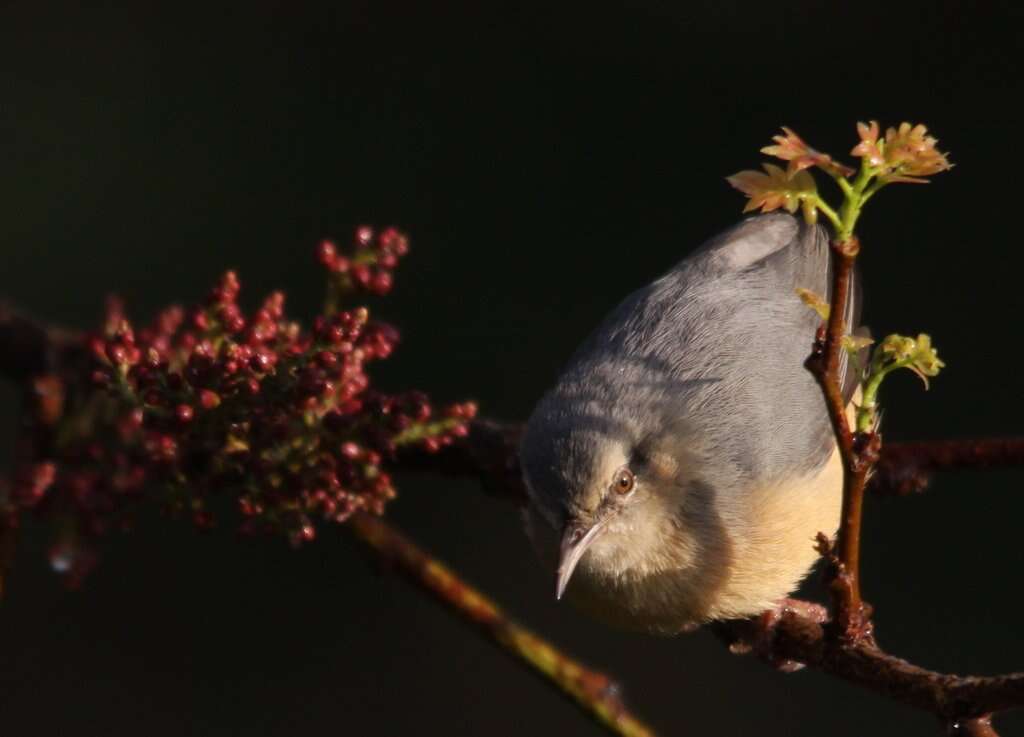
x=868 y=409
x=828 y=211
x=855 y=196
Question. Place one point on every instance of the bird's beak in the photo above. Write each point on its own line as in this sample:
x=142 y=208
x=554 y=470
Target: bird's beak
x=576 y=538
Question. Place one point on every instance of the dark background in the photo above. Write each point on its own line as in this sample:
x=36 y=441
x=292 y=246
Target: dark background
x=545 y=161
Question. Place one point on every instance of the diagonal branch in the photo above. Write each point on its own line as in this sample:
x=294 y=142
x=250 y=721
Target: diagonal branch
x=593 y=692
x=798 y=637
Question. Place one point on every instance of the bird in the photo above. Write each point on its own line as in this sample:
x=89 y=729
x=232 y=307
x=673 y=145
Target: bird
x=682 y=465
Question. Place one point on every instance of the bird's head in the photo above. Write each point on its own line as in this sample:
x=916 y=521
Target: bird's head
x=614 y=498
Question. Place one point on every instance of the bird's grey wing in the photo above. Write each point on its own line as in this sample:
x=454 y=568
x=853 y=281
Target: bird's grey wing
x=799 y=253
x=767 y=258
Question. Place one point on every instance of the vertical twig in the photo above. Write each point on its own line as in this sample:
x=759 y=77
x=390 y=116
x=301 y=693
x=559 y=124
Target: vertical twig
x=848 y=543
x=858 y=450
x=594 y=692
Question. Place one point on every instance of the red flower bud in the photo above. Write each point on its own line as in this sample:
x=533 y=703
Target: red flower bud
x=326 y=253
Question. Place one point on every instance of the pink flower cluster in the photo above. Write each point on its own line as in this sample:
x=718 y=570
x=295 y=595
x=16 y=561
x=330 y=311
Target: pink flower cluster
x=213 y=408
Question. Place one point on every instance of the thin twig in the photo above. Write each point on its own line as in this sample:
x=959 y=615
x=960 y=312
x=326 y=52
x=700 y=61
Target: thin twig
x=826 y=362
x=594 y=692
x=857 y=450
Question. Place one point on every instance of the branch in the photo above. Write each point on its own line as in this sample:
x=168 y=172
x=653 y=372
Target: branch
x=858 y=451
x=490 y=454
x=593 y=692
x=795 y=636
x=905 y=468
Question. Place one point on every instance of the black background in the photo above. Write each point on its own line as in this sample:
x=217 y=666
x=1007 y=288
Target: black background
x=545 y=162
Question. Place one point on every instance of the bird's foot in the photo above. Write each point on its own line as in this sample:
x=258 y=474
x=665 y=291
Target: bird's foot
x=759 y=636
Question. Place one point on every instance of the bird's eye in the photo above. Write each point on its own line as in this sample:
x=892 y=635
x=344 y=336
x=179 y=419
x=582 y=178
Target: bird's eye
x=624 y=481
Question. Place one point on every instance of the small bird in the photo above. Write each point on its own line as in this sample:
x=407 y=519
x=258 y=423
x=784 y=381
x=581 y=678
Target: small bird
x=684 y=462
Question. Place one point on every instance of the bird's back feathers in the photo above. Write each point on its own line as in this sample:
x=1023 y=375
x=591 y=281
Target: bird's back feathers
x=717 y=347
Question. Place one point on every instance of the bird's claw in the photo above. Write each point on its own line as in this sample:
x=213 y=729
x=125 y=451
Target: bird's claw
x=759 y=637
